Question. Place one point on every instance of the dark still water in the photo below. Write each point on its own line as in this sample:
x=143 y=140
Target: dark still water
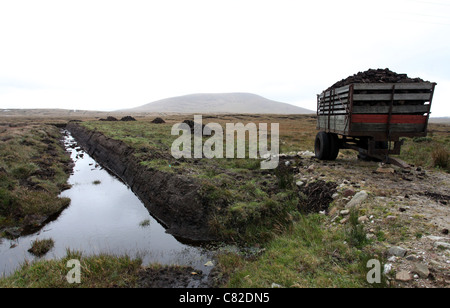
x=104 y=216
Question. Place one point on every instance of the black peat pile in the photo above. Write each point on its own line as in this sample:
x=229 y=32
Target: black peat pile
x=316 y=196
x=375 y=76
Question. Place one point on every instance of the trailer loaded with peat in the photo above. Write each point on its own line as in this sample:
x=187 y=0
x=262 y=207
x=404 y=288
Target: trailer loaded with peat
x=370 y=112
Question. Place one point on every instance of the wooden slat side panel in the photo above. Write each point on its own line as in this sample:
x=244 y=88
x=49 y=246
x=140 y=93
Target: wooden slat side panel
x=397 y=97
x=383 y=118
x=395 y=109
x=376 y=128
x=337 y=123
x=398 y=86
x=337 y=91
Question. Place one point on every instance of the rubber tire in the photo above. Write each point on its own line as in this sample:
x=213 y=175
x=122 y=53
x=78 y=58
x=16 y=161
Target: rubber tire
x=334 y=146
x=322 y=146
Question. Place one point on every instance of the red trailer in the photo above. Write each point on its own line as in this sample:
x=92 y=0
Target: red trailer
x=371 y=118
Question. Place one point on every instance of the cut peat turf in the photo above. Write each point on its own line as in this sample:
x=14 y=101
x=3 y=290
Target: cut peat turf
x=316 y=196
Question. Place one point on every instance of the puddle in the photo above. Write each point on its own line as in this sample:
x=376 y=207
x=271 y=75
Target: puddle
x=104 y=216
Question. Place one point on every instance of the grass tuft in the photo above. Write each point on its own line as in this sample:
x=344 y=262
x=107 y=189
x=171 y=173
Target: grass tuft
x=41 y=247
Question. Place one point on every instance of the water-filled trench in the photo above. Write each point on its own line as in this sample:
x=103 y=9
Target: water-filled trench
x=104 y=216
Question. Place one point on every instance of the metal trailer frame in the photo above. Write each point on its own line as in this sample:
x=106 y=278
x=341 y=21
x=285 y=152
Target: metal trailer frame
x=367 y=115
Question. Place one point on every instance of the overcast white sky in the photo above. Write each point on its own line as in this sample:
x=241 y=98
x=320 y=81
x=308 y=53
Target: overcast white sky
x=108 y=55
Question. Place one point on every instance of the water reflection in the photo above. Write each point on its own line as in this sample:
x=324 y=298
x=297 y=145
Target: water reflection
x=104 y=216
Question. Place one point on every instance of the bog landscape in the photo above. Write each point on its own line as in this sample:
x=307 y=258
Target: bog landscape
x=313 y=221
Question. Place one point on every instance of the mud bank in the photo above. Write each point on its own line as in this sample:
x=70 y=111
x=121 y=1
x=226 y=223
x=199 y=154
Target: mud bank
x=172 y=199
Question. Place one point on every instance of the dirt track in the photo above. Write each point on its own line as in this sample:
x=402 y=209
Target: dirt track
x=410 y=208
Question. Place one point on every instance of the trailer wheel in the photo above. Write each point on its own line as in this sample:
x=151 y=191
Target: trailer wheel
x=322 y=146
x=334 y=146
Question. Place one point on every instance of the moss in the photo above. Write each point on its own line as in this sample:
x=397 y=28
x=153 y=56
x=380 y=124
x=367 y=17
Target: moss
x=33 y=171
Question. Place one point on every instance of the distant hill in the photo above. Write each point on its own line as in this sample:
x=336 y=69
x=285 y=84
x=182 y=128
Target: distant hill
x=220 y=103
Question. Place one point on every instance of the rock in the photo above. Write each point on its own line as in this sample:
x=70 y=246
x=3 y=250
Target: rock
x=343 y=221
x=344 y=212
x=209 y=263
x=299 y=183
x=403 y=276
x=385 y=170
x=333 y=211
x=335 y=196
x=363 y=219
x=421 y=270
x=392 y=259
x=435 y=238
x=306 y=154
x=397 y=251
x=391 y=218
x=357 y=199
x=442 y=244
x=370 y=236
x=387 y=268
x=275 y=285
x=411 y=258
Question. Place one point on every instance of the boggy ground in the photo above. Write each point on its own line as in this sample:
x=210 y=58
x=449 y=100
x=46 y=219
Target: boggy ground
x=318 y=247
x=34 y=169
x=409 y=209
x=406 y=208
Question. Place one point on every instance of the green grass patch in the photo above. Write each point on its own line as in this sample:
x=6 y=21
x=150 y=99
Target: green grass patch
x=432 y=151
x=33 y=171
x=308 y=255
x=102 y=271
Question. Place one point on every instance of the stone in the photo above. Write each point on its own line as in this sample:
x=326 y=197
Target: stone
x=387 y=268
x=333 y=211
x=344 y=212
x=370 y=236
x=411 y=258
x=435 y=238
x=343 y=221
x=397 y=251
x=392 y=259
x=385 y=170
x=391 y=218
x=363 y=219
x=442 y=244
x=299 y=183
x=306 y=154
x=209 y=263
x=403 y=276
x=357 y=199
x=421 y=270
